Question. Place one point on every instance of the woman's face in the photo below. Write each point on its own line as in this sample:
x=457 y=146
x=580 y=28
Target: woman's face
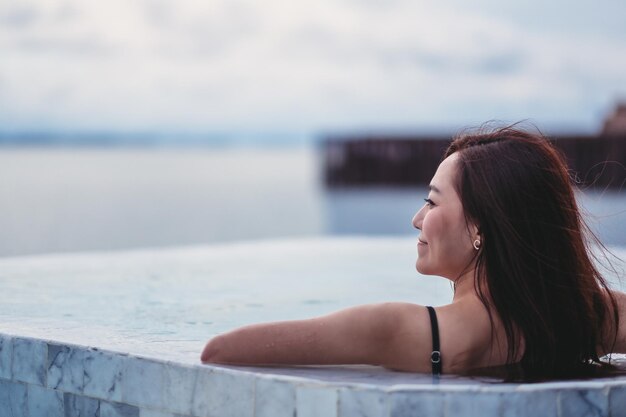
x=445 y=244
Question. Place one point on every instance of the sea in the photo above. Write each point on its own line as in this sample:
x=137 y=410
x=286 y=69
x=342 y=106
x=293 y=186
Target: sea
x=74 y=199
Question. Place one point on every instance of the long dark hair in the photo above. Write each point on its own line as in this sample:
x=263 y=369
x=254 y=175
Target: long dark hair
x=535 y=266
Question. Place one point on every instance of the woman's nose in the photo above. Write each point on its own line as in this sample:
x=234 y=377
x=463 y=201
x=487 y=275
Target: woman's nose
x=417 y=220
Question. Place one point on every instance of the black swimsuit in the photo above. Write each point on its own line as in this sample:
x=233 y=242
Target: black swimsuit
x=435 y=356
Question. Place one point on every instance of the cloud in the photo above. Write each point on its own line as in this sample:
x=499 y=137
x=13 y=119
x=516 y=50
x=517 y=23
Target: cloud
x=306 y=65
x=18 y=16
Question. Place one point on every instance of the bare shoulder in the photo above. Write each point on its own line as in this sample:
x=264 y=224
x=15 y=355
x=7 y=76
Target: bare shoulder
x=464 y=334
x=410 y=341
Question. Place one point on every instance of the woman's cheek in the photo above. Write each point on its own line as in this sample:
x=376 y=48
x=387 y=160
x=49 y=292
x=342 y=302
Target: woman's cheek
x=431 y=226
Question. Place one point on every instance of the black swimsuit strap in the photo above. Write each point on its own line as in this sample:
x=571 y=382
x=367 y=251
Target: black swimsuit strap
x=435 y=356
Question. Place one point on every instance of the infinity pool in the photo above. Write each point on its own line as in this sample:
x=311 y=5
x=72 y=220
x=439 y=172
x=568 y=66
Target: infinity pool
x=121 y=332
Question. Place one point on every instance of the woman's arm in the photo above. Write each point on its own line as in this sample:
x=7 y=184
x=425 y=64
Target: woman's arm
x=375 y=334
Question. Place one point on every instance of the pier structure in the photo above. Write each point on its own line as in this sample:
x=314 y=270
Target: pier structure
x=411 y=160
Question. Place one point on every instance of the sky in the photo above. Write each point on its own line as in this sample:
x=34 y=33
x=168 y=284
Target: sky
x=308 y=66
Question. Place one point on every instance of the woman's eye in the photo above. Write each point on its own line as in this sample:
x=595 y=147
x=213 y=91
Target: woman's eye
x=429 y=202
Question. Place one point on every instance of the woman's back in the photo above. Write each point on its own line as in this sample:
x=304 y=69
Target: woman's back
x=467 y=337
x=467 y=341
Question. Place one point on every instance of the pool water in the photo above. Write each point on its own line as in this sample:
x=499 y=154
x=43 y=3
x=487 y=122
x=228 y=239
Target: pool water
x=146 y=314
x=187 y=295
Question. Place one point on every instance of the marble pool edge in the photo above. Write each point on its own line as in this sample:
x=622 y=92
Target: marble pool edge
x=52 y=378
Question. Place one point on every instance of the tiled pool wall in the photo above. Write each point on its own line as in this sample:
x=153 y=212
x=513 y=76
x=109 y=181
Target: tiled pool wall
x=46 y=378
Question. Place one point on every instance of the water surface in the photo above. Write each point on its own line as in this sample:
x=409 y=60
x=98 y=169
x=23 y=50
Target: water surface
x=68 y=200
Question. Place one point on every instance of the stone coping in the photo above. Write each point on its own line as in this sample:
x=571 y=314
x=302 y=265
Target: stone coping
x=40 y=377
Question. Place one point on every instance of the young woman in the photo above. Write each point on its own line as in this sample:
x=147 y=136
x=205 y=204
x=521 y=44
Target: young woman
x=501 y=222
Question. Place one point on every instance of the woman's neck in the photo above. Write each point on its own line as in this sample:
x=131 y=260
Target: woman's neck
x=464 y=287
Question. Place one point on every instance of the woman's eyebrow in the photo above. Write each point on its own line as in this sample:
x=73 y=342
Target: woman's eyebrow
x=434 y=188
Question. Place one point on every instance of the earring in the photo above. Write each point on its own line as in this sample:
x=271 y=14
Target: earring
x=477 y=244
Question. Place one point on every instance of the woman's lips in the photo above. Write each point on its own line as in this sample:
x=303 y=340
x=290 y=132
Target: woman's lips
x=420 y=241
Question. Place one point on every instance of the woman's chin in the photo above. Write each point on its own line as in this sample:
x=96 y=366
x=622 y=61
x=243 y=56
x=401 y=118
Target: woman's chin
x=421 y=268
